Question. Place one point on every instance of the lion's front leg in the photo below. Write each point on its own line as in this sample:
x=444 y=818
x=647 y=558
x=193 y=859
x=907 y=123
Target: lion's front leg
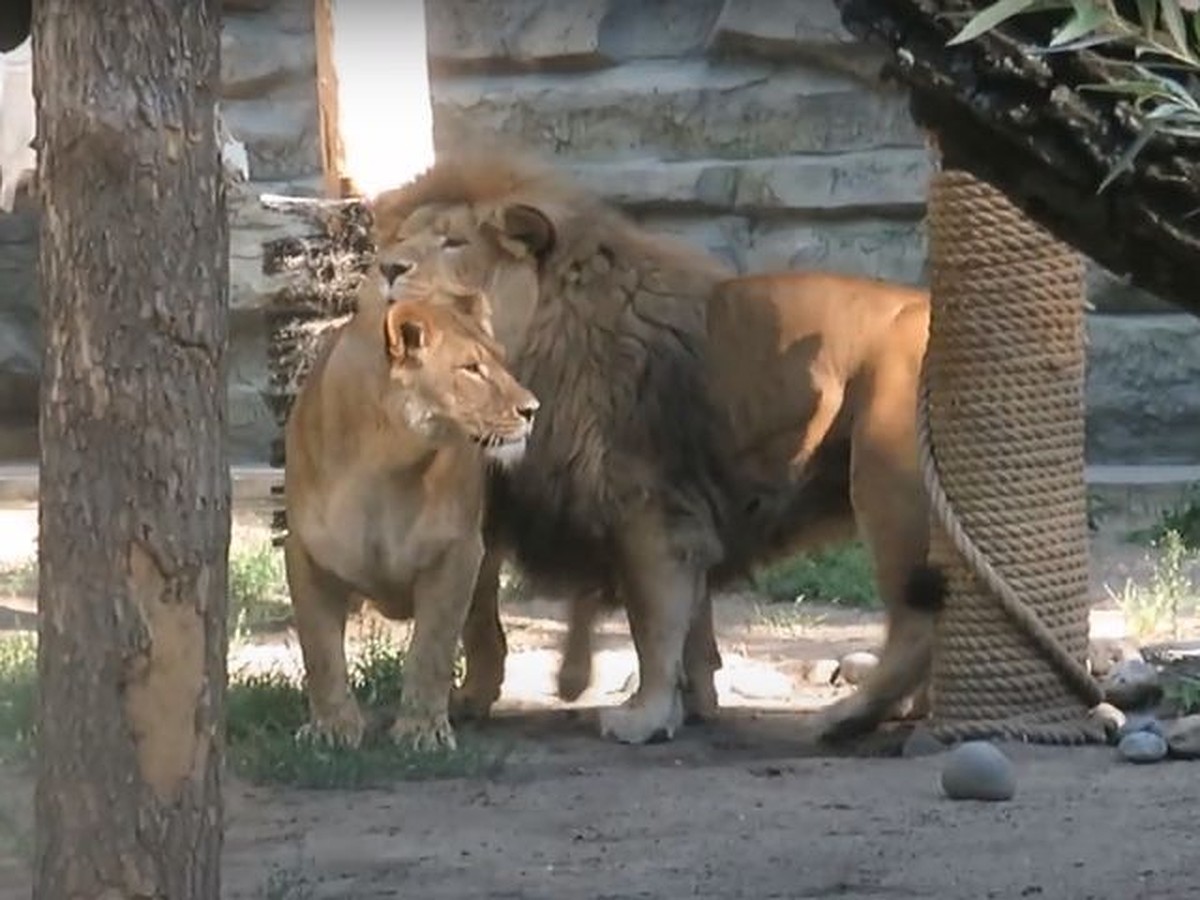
x=320 y=605
x=662 y=588
x=701 y=660
x=441 y=597
x=484 y=644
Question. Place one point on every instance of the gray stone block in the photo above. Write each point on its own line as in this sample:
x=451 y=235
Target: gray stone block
x=280 y=130
x=676 y=28
x=475 y=34
x=1142 y=395
x=674 y=110
x=877 y=248
x=257 y=57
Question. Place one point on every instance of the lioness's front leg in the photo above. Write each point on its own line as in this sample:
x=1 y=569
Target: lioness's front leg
x=662 y=586
x=575 y=671
x=320 y=604
x=441 y=597
x=484 y=644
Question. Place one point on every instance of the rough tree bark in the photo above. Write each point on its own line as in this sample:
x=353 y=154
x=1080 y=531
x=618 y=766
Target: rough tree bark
x=135 y=491
x=1020 y=122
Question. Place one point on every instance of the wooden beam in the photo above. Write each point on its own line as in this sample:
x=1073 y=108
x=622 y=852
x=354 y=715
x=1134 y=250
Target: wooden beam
x=373 y=91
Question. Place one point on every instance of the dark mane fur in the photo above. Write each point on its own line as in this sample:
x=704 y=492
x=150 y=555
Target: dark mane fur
x=616 y=351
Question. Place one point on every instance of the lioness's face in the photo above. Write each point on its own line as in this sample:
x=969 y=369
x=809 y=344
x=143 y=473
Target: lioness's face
x=485 y=260
x=447 y=376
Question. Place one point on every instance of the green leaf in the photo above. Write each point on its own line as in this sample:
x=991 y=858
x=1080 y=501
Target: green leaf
x=1126 y=160
x=1172 y=17
x=1148 y=10
x=1088 y=17
x=987 y=19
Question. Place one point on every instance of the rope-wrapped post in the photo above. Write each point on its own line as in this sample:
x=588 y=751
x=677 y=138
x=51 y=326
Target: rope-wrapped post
x=1001 y=438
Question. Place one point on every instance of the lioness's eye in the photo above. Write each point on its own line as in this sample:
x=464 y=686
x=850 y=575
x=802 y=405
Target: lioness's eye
x=451 y=243
x=474 y=368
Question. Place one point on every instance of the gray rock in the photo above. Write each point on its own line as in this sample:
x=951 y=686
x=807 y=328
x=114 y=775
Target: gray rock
x=1143 y=406
x=1142 y=747
x=978 y=770
x=1132 y=685
x=1183 y=737
x=1139 y=722
x=280 y=131
x=675 y=109
x=855 y=667
x=1105 y=653
x=461 y=33
x=921 y=742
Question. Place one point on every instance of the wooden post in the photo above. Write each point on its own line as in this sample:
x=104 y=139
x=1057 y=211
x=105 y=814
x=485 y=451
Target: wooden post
x=373 y=92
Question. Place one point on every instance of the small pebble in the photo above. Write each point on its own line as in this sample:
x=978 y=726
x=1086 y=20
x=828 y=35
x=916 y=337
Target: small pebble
x=977 y=770
x=1183 y=737
x=1142 y=747
x=855 y=667
x=1136 y=722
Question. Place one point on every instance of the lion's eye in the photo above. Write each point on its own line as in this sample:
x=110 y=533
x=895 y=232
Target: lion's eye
x=452 y=243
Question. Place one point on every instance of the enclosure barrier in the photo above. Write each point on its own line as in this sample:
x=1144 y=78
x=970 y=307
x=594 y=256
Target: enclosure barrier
x=1000 y=431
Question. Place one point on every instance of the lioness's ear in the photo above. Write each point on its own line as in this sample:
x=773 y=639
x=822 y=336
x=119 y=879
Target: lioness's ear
x=406 y=334
x=525 y=230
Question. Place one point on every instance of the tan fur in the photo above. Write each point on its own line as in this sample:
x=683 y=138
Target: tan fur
x=384 y=485
x=695 y=424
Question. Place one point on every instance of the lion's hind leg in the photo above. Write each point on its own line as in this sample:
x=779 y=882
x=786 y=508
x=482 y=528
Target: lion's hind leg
x=320 y=604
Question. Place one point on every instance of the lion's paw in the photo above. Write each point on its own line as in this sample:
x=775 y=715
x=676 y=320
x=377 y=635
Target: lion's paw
x=700 y=702
x=344 y=728
x=423 y=733
x=574 y=677
x=642 y=721
x=472 y=703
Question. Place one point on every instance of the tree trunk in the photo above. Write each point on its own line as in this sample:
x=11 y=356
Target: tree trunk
x=134 y=486
x=1021 y=123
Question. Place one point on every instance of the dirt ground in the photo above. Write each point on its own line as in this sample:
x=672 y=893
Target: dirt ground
x=744 y=808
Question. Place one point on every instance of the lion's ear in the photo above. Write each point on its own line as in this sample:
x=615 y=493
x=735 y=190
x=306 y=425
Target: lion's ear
x=525 y=230
x=406 y=333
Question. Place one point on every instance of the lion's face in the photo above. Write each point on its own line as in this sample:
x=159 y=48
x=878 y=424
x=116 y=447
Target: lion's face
x=446 y=375
x=486 y=259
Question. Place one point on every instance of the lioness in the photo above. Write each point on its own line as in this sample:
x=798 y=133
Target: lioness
x=384 y=491
x=695 y=424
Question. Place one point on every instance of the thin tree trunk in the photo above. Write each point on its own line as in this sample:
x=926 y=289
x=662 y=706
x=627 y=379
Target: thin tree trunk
x=134 y=493
x=1023 y=123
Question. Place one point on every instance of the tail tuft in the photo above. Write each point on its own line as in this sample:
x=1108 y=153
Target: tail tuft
x=926 y=590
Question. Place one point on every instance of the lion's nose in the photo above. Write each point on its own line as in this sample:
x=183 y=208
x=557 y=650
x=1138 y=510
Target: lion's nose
x=527 y=410
x=393 y=270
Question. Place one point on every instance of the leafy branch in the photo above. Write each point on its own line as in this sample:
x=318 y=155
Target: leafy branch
x=1161 y=77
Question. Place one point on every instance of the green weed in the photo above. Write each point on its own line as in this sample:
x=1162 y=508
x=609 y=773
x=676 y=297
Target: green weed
x=1157 y=607
x=1183 y=519
x=843 y=574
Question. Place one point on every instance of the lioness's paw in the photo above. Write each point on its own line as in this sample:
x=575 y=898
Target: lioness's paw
x=342 y=729
x=639 y=721
x=849 y=718
x=423 y=733
x=574 y=677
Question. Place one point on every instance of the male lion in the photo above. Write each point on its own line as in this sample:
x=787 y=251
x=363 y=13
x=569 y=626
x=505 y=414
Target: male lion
x=694 y=425
x=384 y=490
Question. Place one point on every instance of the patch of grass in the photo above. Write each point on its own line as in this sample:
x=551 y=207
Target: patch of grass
x=265 y=711
x=786 y=617
x=1157 y=607
x=1183 y=519
x=19 y=580
x=258 y=594
x=1183 y=693
x=843 y=574
x=18 y=694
